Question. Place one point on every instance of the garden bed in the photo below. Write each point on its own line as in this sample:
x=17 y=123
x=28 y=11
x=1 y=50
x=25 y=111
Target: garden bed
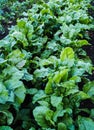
x=46 y=67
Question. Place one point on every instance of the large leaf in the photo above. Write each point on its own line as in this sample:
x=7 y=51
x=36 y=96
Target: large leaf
x=16 y=56
x=16 y=91
x=89 y=89
x=12 y=71
x=81 y=43
x=20 y=37
x=42 y=73
x=49 y=88
x=39 y=96
x=20 y=93
x=67 y=56
x=85 y=123
x=62 y=126
x=55 y=100
x=60 y=76
x=67 y=53
x=5 y=128
x=3 y=93
x=40 y=116
x=6 y=116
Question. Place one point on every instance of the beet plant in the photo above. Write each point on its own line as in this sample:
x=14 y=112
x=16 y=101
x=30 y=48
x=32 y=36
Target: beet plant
x=44 y=69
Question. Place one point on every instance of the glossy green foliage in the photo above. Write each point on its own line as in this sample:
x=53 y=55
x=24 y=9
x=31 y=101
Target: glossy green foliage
x=43 y=69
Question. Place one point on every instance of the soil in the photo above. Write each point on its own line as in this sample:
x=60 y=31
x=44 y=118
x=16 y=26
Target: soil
x=90 y=49
x=90 y=52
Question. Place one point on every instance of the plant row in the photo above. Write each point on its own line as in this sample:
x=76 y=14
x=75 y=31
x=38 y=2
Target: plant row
x=44 y=70
x=10 y=10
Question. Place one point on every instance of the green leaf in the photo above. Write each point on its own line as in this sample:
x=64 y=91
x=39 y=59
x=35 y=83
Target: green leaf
x=77 y=71
x=67 y=56
x=40 y=116
x=55 y=100
x=53 y=46
x=2 y=61
x=92 y=113
x=16 y=56
x=16 y=90
x=7 y=43
x=89 y=89
x=65 y=41
x=81 y=43
x=86 y=66
x=39 y=96
x=20 y=37
x=42 y=73
x=7 y=116
x=44 y=103
x=20 y=93
x=13 y=72
x=49 y=117
x=48 y=88
x=79 y=96
x=21 y=23
x=32 y=128
x=69 y=122
x=31 y=91
x=30 y=30
x=62 y=75
x=60 y=112
x=85 y=123
x=50 y=129
x=3 y=93
x=21 y=64
x=67 y=53
x=62 y=126
x=76 y=78
x=5 y=128
x=27 y=76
